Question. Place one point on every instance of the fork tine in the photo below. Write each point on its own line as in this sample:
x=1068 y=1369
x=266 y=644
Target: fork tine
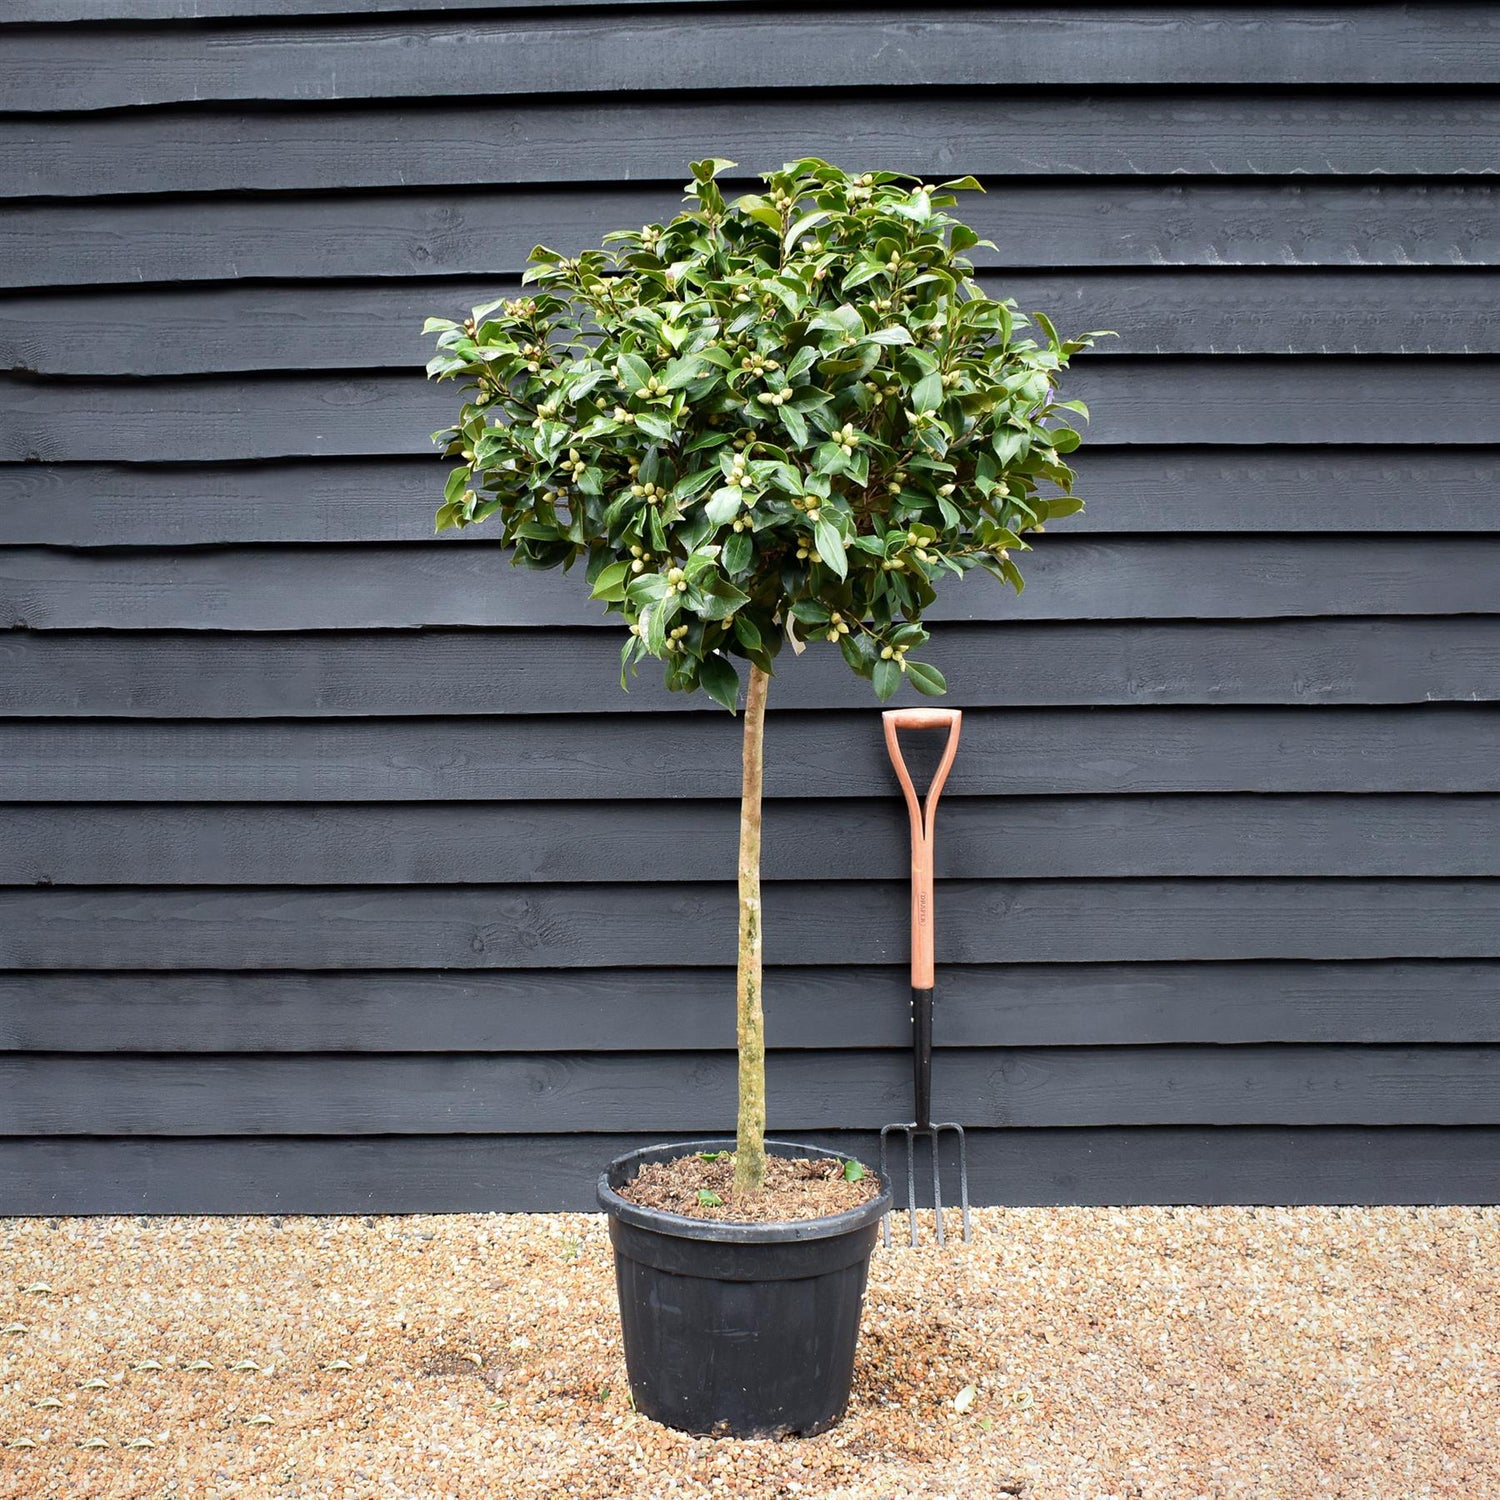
x=911 y=1182
x=937 y=1185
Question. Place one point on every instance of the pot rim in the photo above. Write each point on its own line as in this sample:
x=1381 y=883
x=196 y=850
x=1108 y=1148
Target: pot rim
x=730 y=1231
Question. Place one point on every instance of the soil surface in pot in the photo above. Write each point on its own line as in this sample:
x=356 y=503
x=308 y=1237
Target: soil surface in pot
x=796 y=1188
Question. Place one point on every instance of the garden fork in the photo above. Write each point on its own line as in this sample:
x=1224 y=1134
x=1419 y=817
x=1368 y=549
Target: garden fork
x=922 y=972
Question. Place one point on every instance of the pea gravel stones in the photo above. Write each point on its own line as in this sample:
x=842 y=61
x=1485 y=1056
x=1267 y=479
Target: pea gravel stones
x=1155 y=1353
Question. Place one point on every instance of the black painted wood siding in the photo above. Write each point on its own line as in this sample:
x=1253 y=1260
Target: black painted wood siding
x=336 y=873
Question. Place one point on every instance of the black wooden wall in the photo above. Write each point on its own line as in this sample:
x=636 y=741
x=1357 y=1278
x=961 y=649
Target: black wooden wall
x=339 y=874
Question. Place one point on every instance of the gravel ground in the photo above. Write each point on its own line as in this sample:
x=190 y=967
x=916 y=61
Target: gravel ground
x=1067 y=1354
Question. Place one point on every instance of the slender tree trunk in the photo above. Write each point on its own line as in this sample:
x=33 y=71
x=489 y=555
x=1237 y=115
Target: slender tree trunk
x=750 y=1143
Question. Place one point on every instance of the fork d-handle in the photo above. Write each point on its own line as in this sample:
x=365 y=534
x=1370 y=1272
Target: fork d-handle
x=922 y=815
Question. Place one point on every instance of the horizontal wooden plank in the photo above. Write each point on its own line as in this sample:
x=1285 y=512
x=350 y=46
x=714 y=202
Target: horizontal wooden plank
x=552 y=1173
x=228 y=676
x=1069 y=578
x=53 y=11
x=607 y=1010
x=694 y=1092
x=193 y=330
x=1023 y=752
x=494 y=842
x=1000 y=136
x=585 y=926
x=801 y=47
x=1244 y=400
x=1134 y=490
x=488 y=233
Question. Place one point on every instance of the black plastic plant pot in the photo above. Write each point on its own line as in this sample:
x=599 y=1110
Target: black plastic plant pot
x=738 y=1330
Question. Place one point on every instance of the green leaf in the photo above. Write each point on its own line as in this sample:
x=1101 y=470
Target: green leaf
x=746 y=633
x=1045 y=323
x=610 y=584
x=693 y=484
x=853 y=1172
x=841 y=319
x=1009 y=444
x=657 y=618
x=887 y=678
x=801 y=363
x=711 y=354
x=960 y=184
x=657 y=530
x=861 y=274
x=795 y=424
x=681 y=372
x=720 y=598
x=634 y=371
x=858 y=652
x=724 y=504
x=763 y=213
x=653 y=424
x=720 y=681
x=895 y=334
x=926 y=680
x=806 y=222
x=1059 y=506
x=646 y=588
x=709 y=1199
x=628 y=654
x=927 y=393
x=737 y=551
x=713 y=1155
x=831 y=546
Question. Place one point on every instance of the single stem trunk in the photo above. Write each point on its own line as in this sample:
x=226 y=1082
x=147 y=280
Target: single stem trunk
x=750 y=1141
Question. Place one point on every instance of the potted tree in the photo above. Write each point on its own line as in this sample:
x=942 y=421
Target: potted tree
x=769 y=423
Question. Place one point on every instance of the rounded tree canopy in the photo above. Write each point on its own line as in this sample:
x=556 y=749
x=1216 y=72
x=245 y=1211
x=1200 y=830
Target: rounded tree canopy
x=786 y=417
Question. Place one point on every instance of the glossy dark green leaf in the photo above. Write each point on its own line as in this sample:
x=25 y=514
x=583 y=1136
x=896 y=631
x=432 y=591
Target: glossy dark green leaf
x=831 y=547
x=737 y=552
x=720 y=598
x=720 y=680
x=724 y=504
x=927 y=393
x=610 y=584
x=653 y=424
x=927 y=680
x=634 y=371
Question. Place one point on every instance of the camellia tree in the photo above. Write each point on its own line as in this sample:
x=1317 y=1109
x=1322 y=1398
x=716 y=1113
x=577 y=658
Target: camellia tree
x=779 y=420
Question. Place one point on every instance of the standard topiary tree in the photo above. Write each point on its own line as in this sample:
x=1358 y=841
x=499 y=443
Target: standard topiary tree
x=783 y=419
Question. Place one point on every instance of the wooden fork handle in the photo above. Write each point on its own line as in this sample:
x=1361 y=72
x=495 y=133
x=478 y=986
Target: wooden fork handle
x=923 y=718
x=922 y=815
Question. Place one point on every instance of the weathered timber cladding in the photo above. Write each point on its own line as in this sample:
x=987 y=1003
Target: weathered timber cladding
x=337 y=874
